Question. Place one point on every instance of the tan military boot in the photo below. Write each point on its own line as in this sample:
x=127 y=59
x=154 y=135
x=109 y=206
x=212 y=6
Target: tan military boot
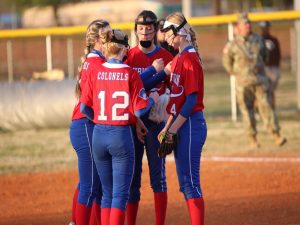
x=253 y=142
x=278 y=139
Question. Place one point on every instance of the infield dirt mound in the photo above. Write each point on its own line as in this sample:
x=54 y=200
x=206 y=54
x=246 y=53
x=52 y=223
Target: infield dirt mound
x=236 y=193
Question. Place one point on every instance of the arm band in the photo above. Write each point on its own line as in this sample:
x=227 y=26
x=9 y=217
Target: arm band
x=87 y=111
x=148 y=73
x=154 y=80
x=188 y=105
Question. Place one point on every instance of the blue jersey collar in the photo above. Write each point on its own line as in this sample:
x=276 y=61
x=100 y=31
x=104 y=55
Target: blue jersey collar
x=185 y=49
x=157 y=48
x=97 y=52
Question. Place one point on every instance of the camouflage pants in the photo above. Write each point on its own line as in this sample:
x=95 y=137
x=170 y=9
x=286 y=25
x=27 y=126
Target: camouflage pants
x=256 y=95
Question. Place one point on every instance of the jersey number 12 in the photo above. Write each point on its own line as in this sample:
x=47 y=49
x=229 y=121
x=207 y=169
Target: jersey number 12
x=115 y=107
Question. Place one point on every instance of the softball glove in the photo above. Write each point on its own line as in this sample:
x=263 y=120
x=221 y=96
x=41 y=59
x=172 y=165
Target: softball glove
x=168 y=144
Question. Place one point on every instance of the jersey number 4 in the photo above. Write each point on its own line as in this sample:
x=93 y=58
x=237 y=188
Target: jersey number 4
x=173 y=109
x=115 y=107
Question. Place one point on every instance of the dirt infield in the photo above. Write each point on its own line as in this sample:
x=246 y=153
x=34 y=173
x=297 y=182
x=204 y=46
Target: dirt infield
x=236 y=193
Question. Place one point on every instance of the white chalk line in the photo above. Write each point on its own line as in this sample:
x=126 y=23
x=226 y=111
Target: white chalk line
x=245 y=159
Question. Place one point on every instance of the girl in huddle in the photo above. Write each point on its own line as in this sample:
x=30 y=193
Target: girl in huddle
x=117 y=95
x=140 y=57
x=186 y=112
x=88 y=193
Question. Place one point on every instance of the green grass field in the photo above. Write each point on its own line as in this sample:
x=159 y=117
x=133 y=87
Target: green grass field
x=48 y=149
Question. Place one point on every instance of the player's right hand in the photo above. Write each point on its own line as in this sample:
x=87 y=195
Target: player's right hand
x=158 y=64
x=155 y=96
x=141 y=130
x=168 y=67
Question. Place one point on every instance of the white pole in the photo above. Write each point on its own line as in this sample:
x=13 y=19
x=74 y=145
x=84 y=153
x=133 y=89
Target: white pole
x=187 y=8
x=48 y=52
x=293 y=50
x=297 y=31
x=70 y=57
x=232 y=81
x=9 y=61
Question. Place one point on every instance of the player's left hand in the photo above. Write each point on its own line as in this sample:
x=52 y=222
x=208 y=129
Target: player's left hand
x=141 y=130
x=158 y=64
x=168 y=144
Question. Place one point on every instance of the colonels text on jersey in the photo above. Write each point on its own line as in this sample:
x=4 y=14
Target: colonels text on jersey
x=115 y=92
x=186 y=78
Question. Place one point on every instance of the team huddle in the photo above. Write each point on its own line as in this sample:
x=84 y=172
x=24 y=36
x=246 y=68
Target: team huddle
x=131 y=101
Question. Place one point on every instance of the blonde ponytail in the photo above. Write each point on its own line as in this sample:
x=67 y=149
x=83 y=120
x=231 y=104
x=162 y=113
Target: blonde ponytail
x=92 y=35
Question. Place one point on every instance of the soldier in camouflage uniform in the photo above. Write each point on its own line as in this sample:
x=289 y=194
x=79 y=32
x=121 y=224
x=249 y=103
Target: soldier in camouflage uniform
x=244 y=58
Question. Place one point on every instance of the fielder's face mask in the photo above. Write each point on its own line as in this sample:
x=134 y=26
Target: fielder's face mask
x=147 y=18
x=122 y=42
x=176 y=29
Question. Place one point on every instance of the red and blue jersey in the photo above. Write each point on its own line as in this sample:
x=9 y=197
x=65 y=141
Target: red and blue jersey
x=114 y=91
x=139 y=61
x=186 y=78
x=93 y=61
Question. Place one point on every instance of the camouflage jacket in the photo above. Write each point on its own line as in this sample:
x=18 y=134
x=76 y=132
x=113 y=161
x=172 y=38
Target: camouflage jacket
x=244 y=58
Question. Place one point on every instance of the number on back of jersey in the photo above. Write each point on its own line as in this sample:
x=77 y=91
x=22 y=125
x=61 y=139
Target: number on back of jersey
x=122 y=105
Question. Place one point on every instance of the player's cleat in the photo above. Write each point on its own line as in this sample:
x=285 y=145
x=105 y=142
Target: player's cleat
x=253 y=142
x=279 y=141
x=72 y=223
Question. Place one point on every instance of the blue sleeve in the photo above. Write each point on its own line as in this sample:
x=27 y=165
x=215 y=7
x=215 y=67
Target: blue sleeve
x=188 y=105
x=148 y=73
x=143 y=111
x=87 y=111
x=154 y=80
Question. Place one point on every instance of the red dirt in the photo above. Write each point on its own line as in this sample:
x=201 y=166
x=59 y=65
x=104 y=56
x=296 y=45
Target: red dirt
x=235 y=194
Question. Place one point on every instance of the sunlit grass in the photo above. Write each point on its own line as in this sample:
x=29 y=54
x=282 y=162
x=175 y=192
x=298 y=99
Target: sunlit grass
x=32 y=150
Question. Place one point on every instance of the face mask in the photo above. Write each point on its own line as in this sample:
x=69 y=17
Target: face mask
x=125 y=57
x=145 y=44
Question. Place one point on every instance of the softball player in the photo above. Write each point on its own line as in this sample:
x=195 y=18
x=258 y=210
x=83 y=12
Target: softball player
x=117 y=95
x=81 y=131
x=140 y=57
x=186 y=106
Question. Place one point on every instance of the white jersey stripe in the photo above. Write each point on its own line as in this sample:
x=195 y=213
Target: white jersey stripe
x=114 y=65
x=192 y=50
x=90 y=55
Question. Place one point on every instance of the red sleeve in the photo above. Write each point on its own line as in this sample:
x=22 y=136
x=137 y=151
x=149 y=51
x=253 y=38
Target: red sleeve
x=87 y=91
x=168 y=59
x=192 y=72
x=137 y=92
